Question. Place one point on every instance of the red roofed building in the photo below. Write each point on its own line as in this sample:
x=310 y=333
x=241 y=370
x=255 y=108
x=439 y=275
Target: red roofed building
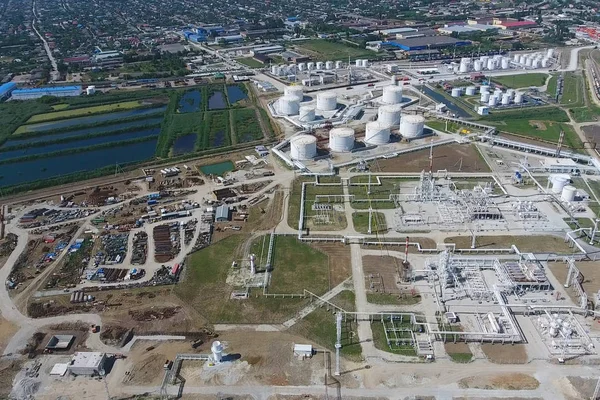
x=514 y=24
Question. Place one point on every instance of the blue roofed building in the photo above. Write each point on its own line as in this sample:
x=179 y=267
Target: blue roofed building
x=6 y=90
x=36 y=93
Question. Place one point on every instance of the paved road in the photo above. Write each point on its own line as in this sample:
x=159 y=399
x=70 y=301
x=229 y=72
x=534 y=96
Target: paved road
x=55 y=73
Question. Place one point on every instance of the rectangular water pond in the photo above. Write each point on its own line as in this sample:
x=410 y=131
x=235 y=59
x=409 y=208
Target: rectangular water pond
x=184 y=144
x=76 y=144
x=217 y=169
x=190 y=102
x=217 y=101
x=235 y=94
x=21 y=172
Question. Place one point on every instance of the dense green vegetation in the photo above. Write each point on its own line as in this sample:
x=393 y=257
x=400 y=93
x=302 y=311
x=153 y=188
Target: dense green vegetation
x=246 y=125
x=218 y=129
x=15 y=113
x=80 y=112
x=572 y=90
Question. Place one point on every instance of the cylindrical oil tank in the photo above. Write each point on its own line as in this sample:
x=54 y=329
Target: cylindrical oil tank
x=550 y=53
x=484 y=88
x=516 y=57
x=411 y=126
x=568 y=193
x=536 y=63
x=294 y=91
x=485 y=97
x=326 y=101
x=303 y=147
x=464 y=68
x=73 y=297
x=498 y=92
x=389 y=115
x=377 y=133
x=339 y=65
x=288 y=105
x=511 y=92
x=319 y=65
x=522 y=59
x=358 y=63
x=505 y=99
x=341 y=139
x=79 y=298
x=491 y=64
x=392 y=94
x=301 y=66
x=307 y=114
x=559 y=181
x=498 y=57
x=275 y=69
x=310 y=66
x=471 y=90
x=493 y=101
x=528 y=62
x=545 y=62
x=456 y=92
x=505 y=63
x=465 y=60
x=364 y=63
x=329 y=65
x=518 y=97
x=477 y=65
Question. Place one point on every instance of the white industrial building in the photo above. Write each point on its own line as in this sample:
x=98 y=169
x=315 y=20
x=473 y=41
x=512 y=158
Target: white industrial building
x=87 y=363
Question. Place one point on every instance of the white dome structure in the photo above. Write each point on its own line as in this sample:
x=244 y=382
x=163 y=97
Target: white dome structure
x=377 y=133
x=392 y=94
x=294 y=91
x=411 y=126
x=341 y=139
x=303 y=147
x=568 y=193
x=288 y=105
x=307 y=114
x=326 y=101
x=389 y=115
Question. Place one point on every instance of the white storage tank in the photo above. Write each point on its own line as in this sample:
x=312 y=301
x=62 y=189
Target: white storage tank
x=326 y=101
x=545 y=62
x=341 y=139
x=471 y=91
x=377 y=133
x=493 y=101
x=550 y=53
x=411 y=126
x=275 y=70
x=506 y=99
x=307 y=114
x=559 y=181
x=217 y=351
x=484 y=88
x=498 y=92
x=511 y=92
x=505 y=63
x=339 y=65
x=518 y=98
x=358 y=63
x=319 y=65
x=303 y=147
x=456 y=92
x=389 y=115
x=364 y=63
x=516 y=57
x=491 y=64
x=528 y=62
x=288 y=105
x=310 y=66
x=477 y=65
x=568 y=193
x=90 y=90
x=464 y=67
x=485 y=97
x=329 y=65
x=522 y=59
x=392 y=94
x=536 y=63
x=294 y=91
x=301 y=66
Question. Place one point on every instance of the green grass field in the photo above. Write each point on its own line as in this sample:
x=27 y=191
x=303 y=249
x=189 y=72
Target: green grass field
x=80 y=112
x=339 y=219
x=572 y=90
x=321 y=49
x=551 y=89
x=361 y=222
x=521 y=80
x=393 y=299
x=250 y=62
x=218 y=129
x=246 y=125
x=60 y=107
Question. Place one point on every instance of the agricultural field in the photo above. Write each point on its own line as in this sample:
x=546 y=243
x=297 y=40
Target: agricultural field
x=521 y=80
x=321 y=49
x=78 y=112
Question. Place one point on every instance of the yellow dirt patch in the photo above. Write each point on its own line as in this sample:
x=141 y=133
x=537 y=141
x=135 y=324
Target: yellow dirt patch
x=515 y=381
x=539 y=125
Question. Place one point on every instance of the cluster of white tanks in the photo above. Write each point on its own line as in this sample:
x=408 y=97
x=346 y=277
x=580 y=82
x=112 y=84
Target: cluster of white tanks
x=303 y=147
x=500 y=62
x=498 y=96
x=361 y=63
x=312 y=66
x=561 y=185
x=556 y=325
x=392 y=94
x=535 y=60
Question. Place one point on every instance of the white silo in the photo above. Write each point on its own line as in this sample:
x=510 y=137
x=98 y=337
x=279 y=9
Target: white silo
x=477 y=65
x=364 y=63
x=505 y=63
x=389 y=115
x=303 y=147
x=217 y=351
x=310 y=66
x=358 y=63
x=464 y=67
x=485 y=97
x=545 y=62
x=377 y=133
x=484 y=88
x=456 y=92
x=491 y=64
x=307 y=114
x=550 y=53
x=471 y=90
x=498 y=92
x=301 y=66
x=568 y=193
x=294 y=91
x=275 y=70
x=528 y=62
x=339 y=65
x=522 y=58
x=511 y=92
x=341 y=139
x=288 y=105
x=411 y=126
x=559 y=181
x=329 y=65
x=483 y=59
x=516 y=57
x=536 y=63
x=392 y=94
x=493 y=101
x=505 y=99
x=90 y=90
x=518 y=98
x=319 y=65
x=326 y=101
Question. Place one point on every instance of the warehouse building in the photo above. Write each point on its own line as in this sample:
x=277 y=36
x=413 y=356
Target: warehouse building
x=87 y=363
x=107 y=59
x=428 y=42
x=467 y=29
x=6 y=90
x=58 y=91
x=222 y=214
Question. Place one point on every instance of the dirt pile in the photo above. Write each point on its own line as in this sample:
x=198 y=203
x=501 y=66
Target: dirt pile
x=154 y=314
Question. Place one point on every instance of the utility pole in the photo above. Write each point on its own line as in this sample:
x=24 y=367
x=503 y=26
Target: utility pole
x=561 y=137
x=338 y=344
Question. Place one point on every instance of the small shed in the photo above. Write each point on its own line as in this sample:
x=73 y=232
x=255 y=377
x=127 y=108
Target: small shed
x=303 y=350
x=451 y=317
x=60 y=342
x=222 y=214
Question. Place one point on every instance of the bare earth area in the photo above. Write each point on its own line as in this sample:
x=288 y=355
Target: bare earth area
x=500 y=381
x=591 y=276
x=505 y=354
